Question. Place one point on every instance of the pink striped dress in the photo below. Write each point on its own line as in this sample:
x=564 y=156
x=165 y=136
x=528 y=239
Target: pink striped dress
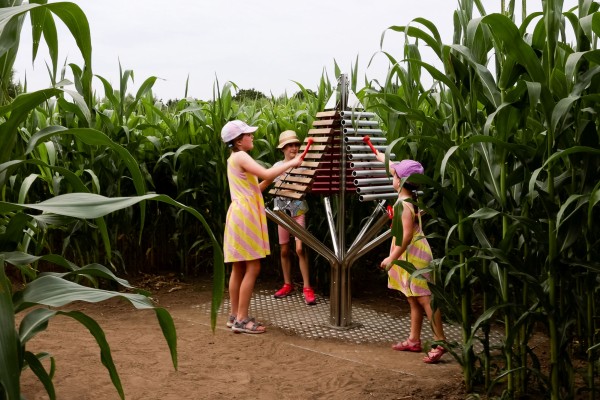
x=419 y=254
x=246 y=235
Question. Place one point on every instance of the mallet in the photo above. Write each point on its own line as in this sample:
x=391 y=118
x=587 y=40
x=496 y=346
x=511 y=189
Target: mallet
x=308 y=143
x=367 y=141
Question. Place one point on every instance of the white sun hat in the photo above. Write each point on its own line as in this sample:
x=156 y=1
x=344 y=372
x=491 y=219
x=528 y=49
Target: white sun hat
x=235 y=128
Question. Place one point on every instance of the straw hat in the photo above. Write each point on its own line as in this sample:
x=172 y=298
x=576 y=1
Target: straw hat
x=287 y=137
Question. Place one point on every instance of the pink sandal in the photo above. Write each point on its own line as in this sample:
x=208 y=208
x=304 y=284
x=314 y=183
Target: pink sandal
x=408 y=345
x=434 y=355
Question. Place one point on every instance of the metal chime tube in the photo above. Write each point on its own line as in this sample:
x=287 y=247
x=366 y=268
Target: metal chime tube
x=356 y=114
x=371 y=132
x=370 y=172
x=358 y=122
x=350 y=139
x=366 y=164
x=352 y=148
x=372 y=181
x=377 y=196
x=361 y=156
x=376 y=189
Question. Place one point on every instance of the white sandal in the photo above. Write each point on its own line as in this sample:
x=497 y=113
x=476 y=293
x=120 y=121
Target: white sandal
x=242 y=326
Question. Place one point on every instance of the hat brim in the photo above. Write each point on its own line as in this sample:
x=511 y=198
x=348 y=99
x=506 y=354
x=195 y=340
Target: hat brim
x=282 y=145
x=250 y=129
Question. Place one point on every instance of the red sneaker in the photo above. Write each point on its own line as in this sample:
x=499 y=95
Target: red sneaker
x=285 y=291
x=309 y=296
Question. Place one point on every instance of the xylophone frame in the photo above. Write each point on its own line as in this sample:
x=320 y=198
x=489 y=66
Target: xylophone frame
x=340 y=258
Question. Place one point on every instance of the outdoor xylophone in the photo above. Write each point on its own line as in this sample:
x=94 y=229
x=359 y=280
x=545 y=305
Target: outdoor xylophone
x=338 y=159
x=339 y=144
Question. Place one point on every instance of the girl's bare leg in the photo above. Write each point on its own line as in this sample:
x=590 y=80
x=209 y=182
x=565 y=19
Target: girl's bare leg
x=286 y=263
x=303 y=261
x=246 y=288
x=436 y=318
x=416 y=318
x=235 y=281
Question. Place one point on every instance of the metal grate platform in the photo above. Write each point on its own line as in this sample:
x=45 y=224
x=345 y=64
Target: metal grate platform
x=291 y=313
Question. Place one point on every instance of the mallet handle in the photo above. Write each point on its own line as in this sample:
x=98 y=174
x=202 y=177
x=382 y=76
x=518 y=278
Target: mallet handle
x=308 y=143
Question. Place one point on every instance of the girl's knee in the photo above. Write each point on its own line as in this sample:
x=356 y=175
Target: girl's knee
x=284 y=249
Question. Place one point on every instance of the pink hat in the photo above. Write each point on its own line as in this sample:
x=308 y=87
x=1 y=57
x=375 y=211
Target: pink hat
x=235 y=128
x=406 y=168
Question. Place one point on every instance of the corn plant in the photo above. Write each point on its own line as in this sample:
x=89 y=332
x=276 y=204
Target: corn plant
x=57 y=289
x=42 y=289
x=32 y=141
x=515 y=144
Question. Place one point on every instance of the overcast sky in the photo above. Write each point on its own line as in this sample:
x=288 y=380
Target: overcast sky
x=260 y=44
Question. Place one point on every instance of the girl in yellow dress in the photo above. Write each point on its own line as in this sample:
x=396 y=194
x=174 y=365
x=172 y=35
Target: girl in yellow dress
x=246 y=238
x=415 y=249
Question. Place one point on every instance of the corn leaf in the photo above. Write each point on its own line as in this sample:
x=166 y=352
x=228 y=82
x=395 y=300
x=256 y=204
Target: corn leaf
x=9 y=342
x=89 y=205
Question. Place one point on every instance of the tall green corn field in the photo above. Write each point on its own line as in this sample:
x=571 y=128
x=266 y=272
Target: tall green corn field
x=505 y=120
x=509 y=131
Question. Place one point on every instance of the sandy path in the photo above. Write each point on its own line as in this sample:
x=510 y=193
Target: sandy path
x=223 y=365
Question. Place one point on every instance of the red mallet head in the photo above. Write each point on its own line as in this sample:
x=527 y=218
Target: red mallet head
x=367 y=140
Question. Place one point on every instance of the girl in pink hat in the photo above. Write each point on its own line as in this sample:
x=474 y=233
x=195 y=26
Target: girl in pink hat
x=415 y=249
x=246 y=238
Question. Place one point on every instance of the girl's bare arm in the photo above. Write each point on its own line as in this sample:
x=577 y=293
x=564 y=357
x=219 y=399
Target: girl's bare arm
x=407 y=234
x=247 y=163
x=381 y=158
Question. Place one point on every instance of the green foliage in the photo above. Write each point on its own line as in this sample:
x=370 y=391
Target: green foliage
x=304 y=95
x=55 y=290
x=14 y=88
x=248 y=94
x=49 y=149
x=501 y=132
x=506 y=126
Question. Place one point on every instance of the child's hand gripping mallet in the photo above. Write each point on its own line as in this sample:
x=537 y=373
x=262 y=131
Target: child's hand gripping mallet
x=308 y=143
x=390 y=210
x=367 y=141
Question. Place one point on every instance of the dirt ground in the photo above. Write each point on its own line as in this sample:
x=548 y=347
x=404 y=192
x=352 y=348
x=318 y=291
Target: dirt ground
x=223 y=365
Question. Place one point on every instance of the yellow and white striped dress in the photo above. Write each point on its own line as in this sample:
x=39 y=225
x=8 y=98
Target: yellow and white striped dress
x=246 y=235
x=419 y=254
